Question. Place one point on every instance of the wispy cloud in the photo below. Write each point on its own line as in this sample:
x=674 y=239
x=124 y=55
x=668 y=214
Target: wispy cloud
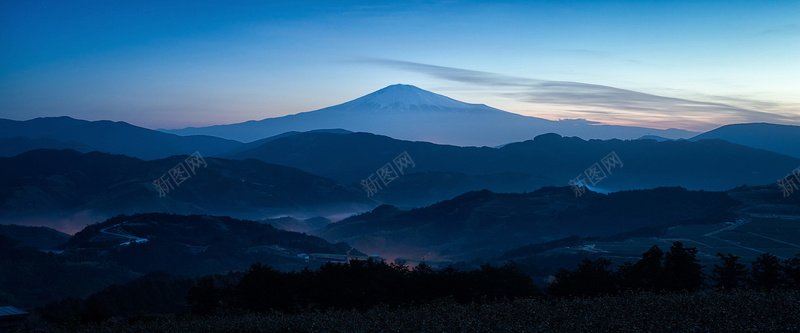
x=598 y=102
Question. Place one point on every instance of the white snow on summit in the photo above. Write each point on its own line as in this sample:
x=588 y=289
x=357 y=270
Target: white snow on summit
x=402 y=97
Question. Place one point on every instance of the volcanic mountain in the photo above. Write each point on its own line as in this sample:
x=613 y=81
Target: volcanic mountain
x=410 y=113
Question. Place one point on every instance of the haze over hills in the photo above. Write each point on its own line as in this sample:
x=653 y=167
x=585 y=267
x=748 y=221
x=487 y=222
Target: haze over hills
x=784 y=139
x=104 y=136
x=410 y=113
x=440 y=172
x=66 y=190
x=440 y=207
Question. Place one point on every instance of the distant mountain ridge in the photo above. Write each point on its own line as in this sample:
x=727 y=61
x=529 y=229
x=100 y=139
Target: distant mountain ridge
x=18 y=145
x=784 y=139
x=443 y=171
x=410 y=113
x=654 y=137
x=105 y=136
x=71 y=183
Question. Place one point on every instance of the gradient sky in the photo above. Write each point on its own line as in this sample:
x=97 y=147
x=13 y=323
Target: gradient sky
x=684 y=64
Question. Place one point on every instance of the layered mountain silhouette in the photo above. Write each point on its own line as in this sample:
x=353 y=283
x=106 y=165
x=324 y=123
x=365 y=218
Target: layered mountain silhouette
x=335 y=161
x=784 y=139
x=410 y=113
x=18 y=145
x=474 y=184
x=484 y=224
x=443 y=171
x=104 y=136
x=66 y=189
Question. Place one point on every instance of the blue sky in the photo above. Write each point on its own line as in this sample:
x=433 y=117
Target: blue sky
x=685 y=64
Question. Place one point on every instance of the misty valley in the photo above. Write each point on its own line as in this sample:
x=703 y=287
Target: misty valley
x=373 y=215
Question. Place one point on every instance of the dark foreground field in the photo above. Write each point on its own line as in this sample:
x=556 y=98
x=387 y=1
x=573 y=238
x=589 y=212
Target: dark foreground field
x=741 y=311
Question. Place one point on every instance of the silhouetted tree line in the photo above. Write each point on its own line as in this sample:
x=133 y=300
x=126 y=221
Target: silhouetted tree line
x=358 y=285
x=363 y=285
x=154 y=293
x=675 y=271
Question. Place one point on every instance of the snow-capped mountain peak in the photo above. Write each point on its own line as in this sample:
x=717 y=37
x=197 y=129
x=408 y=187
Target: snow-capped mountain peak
x=402 y=97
